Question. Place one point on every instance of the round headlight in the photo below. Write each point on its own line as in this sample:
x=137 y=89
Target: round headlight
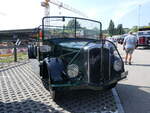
x=72 y=70
x=117 y=65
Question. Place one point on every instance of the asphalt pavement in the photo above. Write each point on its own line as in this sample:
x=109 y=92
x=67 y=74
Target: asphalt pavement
x=134 y=92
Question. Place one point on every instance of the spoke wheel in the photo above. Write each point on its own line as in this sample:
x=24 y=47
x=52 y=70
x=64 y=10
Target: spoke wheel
x=54 y=93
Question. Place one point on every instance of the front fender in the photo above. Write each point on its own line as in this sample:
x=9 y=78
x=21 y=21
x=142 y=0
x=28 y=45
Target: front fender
x=55 y=69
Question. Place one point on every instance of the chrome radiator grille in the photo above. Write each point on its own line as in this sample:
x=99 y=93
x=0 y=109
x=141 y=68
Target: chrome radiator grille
x=99 y=65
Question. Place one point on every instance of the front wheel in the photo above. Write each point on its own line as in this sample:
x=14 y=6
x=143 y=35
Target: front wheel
x=112 y=85
x=53 y=92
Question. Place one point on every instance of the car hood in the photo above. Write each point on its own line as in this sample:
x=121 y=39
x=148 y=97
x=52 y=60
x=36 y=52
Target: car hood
x=83 y=44
x=77 y=45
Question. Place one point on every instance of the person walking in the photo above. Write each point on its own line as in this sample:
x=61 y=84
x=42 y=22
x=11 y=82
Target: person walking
x=129 y=44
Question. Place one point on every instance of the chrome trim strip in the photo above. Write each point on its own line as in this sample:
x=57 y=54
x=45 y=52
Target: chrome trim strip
x=109 y=64
x=101 y=69
x=88 y=66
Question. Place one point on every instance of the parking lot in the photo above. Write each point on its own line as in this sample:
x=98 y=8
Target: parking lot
x=134 y=92
x=22 y=91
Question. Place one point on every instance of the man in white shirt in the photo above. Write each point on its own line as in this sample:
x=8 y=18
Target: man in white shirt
x=129 y=45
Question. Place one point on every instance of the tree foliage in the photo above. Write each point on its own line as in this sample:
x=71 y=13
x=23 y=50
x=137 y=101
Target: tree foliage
x=72 y=23
x=119 y=29
x=134 y=29
x=111 y=28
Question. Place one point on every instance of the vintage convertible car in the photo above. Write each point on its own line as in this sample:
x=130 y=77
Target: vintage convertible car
x=72 y=55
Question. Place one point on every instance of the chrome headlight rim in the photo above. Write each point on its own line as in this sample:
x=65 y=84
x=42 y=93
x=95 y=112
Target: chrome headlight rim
x=73 y=70
x=118 y=65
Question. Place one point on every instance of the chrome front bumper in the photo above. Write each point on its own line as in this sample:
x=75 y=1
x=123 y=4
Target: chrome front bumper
x=124 y=74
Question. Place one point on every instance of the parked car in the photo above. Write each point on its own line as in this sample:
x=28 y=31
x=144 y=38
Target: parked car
x=72 y=55
x=121 y=39
x=143 y=37
x=113 y=40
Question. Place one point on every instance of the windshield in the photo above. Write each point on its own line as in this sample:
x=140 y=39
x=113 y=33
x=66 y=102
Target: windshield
x=144 y=33
x=70 y=27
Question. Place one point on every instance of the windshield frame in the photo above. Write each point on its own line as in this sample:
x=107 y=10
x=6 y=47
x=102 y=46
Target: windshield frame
x=75 y=18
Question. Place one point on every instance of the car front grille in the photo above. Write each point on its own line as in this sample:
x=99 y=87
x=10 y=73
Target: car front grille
x=99 y=65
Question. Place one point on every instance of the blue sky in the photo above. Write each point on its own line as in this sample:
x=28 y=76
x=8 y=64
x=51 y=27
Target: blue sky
x=17 y=14
x=120 y=11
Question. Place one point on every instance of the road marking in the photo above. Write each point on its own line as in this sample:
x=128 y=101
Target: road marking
x=118 y=102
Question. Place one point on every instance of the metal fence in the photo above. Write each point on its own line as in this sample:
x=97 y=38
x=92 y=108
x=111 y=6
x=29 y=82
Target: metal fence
x=11 y=54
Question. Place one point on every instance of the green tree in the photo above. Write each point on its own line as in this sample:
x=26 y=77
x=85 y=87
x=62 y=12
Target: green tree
x=126 y=30
x=119 y=29
x=72 y=23
x=134 y=29
x=111 y=28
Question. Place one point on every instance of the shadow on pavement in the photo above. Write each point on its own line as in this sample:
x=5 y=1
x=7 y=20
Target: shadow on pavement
x=26 y=106
x=88 y=101
x=143 y=48
x=73 y=102
x=135 y=99
x=141 y=65
x=12 y=66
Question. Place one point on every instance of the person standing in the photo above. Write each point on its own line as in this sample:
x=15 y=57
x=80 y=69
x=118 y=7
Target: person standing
x=129 y=44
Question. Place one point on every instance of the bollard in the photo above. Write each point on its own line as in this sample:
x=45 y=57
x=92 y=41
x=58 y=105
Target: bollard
x=15 y=54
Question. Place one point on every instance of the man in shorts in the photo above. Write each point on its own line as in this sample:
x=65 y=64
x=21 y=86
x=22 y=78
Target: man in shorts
x=129 y=44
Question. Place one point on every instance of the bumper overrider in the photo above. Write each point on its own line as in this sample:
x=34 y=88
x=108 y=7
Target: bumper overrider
x=141 y=45
x=86 y=85
x=124 y=75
